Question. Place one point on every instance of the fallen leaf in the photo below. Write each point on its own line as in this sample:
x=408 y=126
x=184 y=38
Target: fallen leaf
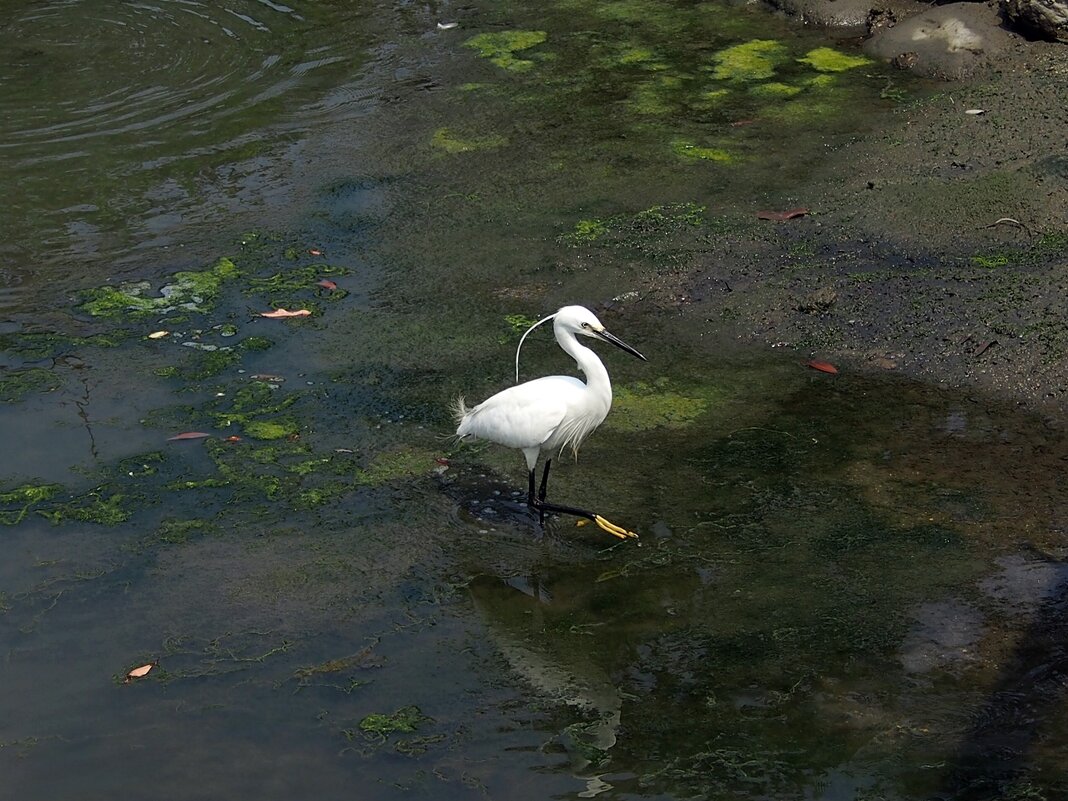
x=823 y=367
x=781 y=216
x=159 y=334
x=447 y=26
x=189 y=435
x=326 y=283
x=315 y=251
x=139 y=672
x=278 y=313
x=975 y=111
x=233 y=438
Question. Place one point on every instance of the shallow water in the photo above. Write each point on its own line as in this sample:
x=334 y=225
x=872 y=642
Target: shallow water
x=846 y=586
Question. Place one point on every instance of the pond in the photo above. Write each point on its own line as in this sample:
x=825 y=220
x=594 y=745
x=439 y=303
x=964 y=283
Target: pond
x=846 y=586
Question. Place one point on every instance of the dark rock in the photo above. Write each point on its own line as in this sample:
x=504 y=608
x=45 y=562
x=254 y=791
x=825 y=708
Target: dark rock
x=1047 y=19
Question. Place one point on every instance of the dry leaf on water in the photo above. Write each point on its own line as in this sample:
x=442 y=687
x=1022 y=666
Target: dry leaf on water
x=823 y=367
x=159 y=334
x=189 y=435
x=278 y=313
x=781 y=216
x=326 y=283
x=315 y=252
x=139 y=672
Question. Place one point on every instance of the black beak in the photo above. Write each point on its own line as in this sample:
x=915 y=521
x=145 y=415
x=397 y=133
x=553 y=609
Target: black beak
x=619 y=343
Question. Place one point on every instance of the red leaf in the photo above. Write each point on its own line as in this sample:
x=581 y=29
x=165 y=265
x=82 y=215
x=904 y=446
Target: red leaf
x=326 y=283
x=189 y=435
x=781 y=216
x=233 y=438
x=823 y=367
x=279 y=313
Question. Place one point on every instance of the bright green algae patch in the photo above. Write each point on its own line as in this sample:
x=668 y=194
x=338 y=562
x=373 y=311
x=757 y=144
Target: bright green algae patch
x=749 y=61
x=501 y=48
x=189 y=291
x=827 y=59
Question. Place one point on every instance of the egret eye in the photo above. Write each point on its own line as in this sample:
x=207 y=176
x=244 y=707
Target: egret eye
x=586 y=326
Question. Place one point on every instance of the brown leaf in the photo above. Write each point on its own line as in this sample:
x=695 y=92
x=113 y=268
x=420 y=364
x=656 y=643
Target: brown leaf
x=326 y=283
x=781 y=216
x=233 y=438
x=279 y=313
x=823 y=367
x=189 y=435
x=315 y=251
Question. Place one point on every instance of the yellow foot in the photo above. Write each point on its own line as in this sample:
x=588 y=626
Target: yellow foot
x=613 y=529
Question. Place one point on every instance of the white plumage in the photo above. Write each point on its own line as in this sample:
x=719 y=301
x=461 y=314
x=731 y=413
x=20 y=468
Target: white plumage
x=551 y=413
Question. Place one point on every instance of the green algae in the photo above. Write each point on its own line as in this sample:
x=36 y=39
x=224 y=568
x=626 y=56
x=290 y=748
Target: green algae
x=519 y=322
x=16 y=384
x=655 y=97
x=173 y=531
x=654 y=224
x=585 y=231
x=690 y=151
x=405 y=719
x=501 y=47
x=256 y=343
x=189 y=291
x=643 y=407
x=24 y=498
x=268 y=430
x=206 y=364
x=403 y=463
x=93 y=507
x=991 y=261
x=750 y=61
x=286 y=284
x=447 y=140
x=827 y=59
x=43 y=345
x=774 y=89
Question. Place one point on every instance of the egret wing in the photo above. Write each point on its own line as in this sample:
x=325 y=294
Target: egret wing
x=524 y=416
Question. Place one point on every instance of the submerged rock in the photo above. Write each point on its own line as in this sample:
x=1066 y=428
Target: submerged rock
x=949 y=42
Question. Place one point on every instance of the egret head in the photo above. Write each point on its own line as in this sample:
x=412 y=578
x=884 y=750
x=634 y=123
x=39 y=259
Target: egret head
x=572 y=320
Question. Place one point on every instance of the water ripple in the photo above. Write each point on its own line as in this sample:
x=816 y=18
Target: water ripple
x=82 y=69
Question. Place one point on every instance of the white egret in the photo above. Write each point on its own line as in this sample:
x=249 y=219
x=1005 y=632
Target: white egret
x=553 y=412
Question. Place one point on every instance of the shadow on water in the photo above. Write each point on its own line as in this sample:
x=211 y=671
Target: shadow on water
x=1003 y=753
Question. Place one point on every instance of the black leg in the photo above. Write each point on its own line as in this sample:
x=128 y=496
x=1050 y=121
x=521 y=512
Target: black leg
x=544 y=480
x=532 y=500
